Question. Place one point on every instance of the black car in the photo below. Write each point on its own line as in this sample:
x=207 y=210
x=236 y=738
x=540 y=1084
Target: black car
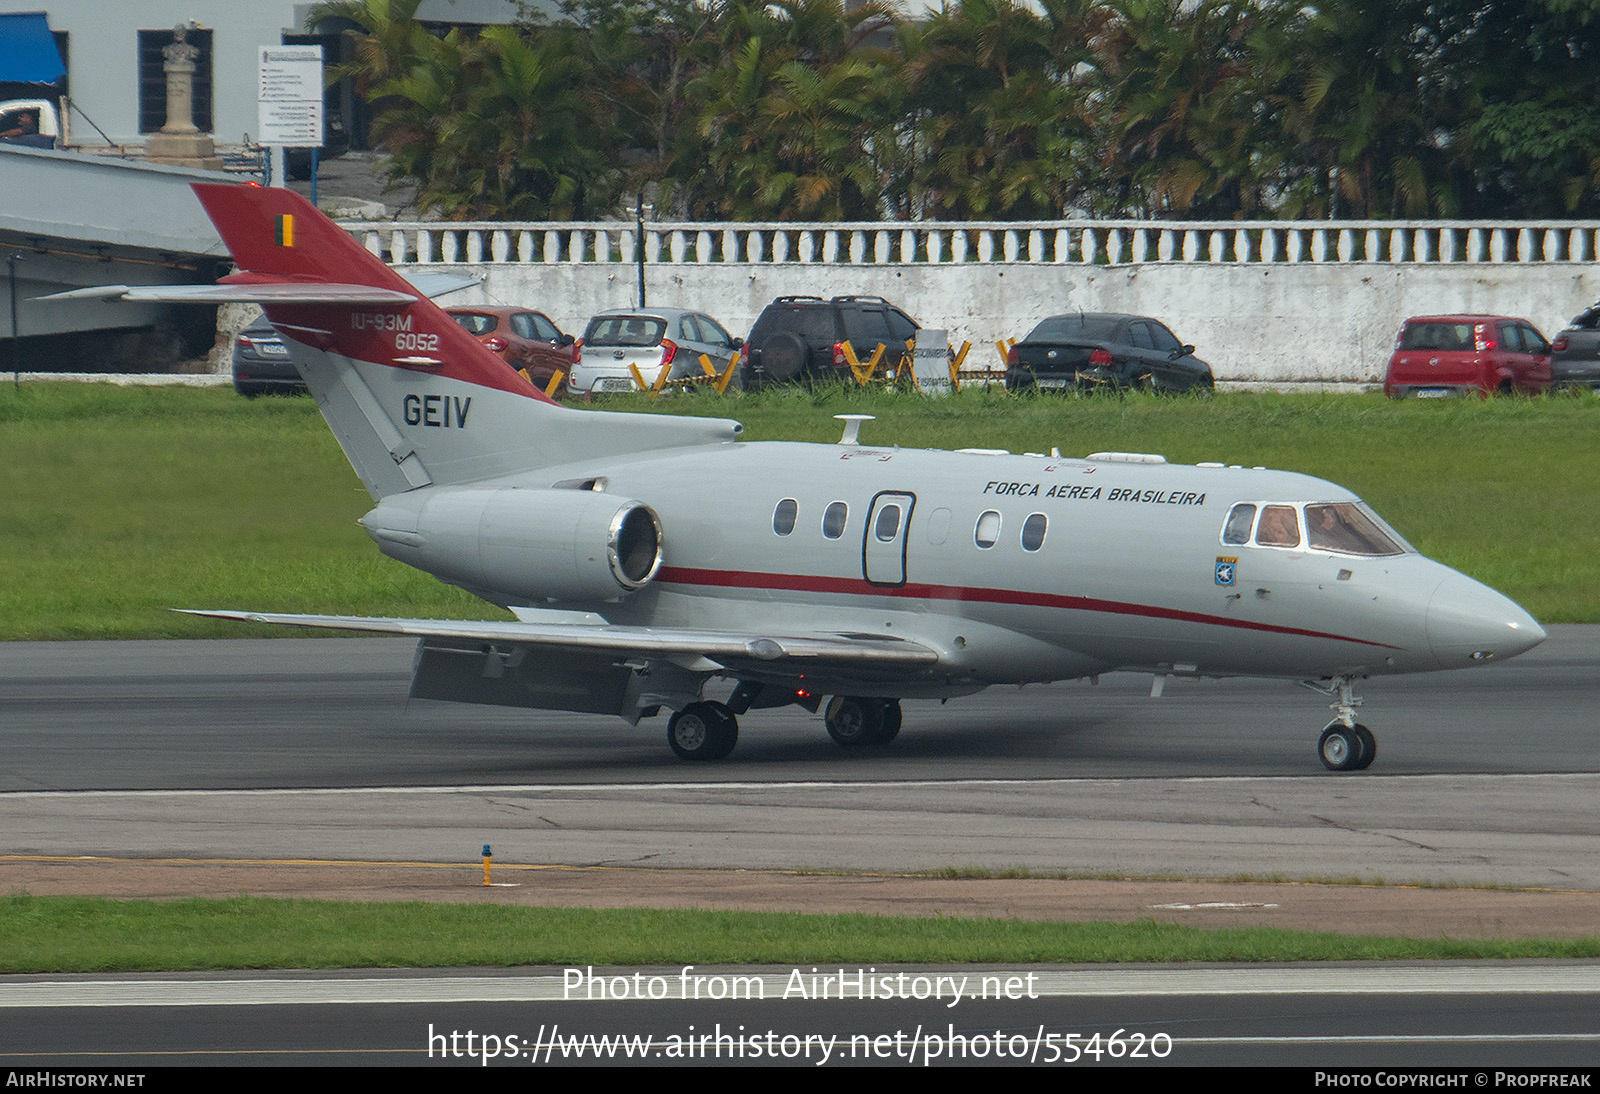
x=1575 y=353
x=1089 y=350
x=802 y=338
x=261 y=363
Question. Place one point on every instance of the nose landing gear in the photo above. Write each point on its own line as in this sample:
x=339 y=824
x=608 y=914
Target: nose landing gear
x=1345 y=745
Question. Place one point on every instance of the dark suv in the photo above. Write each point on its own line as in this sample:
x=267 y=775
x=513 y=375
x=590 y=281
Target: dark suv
x=802 y=338
x=1575 y=354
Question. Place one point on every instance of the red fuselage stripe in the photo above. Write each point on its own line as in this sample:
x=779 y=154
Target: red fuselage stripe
x=811 y=583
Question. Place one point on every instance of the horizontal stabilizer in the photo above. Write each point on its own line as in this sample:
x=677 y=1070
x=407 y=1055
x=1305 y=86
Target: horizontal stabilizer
x=303 y=292
x=722 y=646
x=436 y=283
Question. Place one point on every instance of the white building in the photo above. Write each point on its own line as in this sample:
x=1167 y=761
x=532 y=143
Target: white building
x=112 y=54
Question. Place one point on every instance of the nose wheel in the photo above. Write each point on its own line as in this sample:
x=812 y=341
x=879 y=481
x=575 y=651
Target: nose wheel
x=1347 y=748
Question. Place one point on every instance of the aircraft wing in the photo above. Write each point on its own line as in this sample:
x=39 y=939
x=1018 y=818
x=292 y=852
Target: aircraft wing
x=599 y=636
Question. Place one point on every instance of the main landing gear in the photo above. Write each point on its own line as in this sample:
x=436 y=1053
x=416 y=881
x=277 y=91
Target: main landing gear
x=853 y=720
x=707 y=730
x=703 y=731
x=1345 y=744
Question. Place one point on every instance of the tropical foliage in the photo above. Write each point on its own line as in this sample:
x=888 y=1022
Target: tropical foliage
x=993 y=109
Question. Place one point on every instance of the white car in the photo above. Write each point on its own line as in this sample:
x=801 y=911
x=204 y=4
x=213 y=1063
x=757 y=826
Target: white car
x=647 y=338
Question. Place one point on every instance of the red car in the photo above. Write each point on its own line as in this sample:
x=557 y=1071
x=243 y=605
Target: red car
x=1443 y=355
x=524 y=339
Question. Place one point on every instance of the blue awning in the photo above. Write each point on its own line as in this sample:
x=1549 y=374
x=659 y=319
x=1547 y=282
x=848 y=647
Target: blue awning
x=28 y=53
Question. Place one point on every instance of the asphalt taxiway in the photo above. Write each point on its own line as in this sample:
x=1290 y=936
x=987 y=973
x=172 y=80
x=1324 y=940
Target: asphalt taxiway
x=310 y=749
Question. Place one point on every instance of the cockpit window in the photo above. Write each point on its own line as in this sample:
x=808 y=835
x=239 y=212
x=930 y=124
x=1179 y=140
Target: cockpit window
x=1237 y=530
x=1279 y=527
x=1345 y=528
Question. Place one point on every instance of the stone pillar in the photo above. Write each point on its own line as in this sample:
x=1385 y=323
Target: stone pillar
x=180 y=141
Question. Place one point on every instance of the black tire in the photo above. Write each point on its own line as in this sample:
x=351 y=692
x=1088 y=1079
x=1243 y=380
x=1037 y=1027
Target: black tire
x=1369 y=748
x=703 y=731
x=1340 y=748
x=891 y=723
x=853 y=721
x=784 y=356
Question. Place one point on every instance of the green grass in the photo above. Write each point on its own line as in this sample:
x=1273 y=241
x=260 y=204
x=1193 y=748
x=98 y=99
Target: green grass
x=78 y=934
x=120 y=503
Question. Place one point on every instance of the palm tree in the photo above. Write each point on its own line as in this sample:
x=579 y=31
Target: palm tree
x=998 y=120
x=1370 y=103
x=1179 y=99
x=790 y=121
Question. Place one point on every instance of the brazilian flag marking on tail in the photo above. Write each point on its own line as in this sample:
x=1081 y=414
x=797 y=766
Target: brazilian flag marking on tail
x=286 y=229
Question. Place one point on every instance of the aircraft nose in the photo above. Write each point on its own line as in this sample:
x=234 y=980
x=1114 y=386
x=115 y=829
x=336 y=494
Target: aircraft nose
x=1470 y=623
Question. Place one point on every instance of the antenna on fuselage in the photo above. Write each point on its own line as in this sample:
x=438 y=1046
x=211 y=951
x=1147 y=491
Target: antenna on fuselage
x=852 y=426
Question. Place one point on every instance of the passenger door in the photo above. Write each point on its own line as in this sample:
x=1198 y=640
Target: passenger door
x=883 y=547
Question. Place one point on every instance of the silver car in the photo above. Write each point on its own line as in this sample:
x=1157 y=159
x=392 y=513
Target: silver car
x=648 y=339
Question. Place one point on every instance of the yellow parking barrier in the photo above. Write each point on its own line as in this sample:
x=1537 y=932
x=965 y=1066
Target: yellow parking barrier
x=655 y=388
x=905 y=369
x=554 y=385
x=720 y=383
x=955 y=365
x=988 y=376
x=862 y=372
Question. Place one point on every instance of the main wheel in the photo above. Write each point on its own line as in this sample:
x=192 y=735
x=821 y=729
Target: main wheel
x=783 y=357
x=1340 y=748
x=854 y=721
x=891 y=723
x=703 y=731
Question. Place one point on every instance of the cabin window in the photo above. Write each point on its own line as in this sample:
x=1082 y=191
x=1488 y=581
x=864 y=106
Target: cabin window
x=783 y=516
x=888 y=525
x=1237 y=530
x=1033 y=530
x=987 y=532
x=833 y=519
x=1279 y=527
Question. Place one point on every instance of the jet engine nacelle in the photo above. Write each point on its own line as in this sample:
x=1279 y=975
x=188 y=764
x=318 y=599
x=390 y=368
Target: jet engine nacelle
x=528 y=545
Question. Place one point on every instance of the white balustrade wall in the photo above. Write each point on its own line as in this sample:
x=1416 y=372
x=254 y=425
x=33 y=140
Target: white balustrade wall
x=1262 y=301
